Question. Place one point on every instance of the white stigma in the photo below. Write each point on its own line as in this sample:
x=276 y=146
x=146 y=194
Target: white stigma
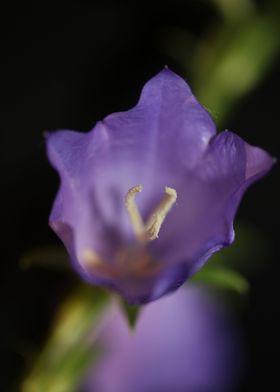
x=135 y=217
x=150 y=230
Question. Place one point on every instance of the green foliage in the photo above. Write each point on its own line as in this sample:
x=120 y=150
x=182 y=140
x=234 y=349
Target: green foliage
x=52 y=257
x=247 y=254
x=227 y=269
x=221 y=277
x=131 y=313
x=71 y=347
x=231 y=57
x=229 y=63
x=224 y=64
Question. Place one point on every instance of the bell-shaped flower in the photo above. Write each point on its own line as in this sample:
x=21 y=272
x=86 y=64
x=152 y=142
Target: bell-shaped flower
x=186 y=342
x=150 y=194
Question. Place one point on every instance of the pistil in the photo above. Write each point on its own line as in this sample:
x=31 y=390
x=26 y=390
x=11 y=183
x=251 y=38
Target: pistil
x=132 y=209
x=150 y=230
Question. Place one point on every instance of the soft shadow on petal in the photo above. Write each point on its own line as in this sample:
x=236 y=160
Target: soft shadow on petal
x=259 y=162
x=202 y=220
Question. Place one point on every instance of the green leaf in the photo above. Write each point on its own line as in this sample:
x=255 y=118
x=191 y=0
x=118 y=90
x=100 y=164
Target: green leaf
x=222 y=277
x=131 y=312
x=247 y=254
x=244 y=50
x=51 y=257
x=72 y=345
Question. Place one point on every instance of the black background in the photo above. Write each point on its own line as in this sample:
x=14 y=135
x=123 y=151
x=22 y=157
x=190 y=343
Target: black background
x=67 y=66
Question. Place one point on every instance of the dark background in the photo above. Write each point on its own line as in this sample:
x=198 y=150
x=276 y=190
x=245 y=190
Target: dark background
x=67 y=66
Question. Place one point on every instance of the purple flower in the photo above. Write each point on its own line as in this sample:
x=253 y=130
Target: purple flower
x=192 y=179
x=184 y=343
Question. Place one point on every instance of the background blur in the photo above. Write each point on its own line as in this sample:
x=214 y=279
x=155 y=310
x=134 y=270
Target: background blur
x=67 y=66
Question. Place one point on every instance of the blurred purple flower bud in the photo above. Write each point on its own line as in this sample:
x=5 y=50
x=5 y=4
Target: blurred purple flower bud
x=186 y=342
x=192 y=179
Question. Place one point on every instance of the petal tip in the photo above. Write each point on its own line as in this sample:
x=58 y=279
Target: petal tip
x=259 y=162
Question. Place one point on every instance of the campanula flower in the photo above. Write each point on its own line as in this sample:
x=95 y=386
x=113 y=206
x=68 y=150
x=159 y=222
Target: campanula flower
x=150 y=194
x=184 y=342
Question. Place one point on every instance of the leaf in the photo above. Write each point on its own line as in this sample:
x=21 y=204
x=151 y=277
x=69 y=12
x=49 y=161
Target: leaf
x=51 y=257
x=247 y=254
x=222 y=277
x=244 y=47
x=131 y=312
x=72 y=345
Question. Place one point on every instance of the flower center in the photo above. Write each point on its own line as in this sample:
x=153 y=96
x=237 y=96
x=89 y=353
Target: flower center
x=149 y=231
x=143 y=265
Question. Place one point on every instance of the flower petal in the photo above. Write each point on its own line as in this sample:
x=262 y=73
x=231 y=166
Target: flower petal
x=186 y=342
x=167 y=139
x=202 y=221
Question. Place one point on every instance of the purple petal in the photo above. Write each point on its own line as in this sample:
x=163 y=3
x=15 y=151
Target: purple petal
x=202 y=221
x=167 y=139
x=185 y=342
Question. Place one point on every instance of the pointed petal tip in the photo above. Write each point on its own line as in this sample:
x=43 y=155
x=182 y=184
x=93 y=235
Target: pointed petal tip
x=51 y=136
x=168 y=74
x=165 y=83
x=259 y=162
